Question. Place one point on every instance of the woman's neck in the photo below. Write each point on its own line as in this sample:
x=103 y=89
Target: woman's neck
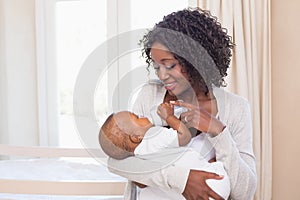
x=205 y=97
x=192 y=97
x=188 y=96
x=204 y=100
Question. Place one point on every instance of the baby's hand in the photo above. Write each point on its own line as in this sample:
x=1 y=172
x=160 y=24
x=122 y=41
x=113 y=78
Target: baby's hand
x=165 y=110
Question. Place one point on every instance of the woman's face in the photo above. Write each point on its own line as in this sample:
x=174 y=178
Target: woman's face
x=169 y=71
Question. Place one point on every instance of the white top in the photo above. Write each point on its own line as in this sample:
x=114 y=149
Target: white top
x=233 y=147
x=156 y=139
x=159 y=138
x=192 y=159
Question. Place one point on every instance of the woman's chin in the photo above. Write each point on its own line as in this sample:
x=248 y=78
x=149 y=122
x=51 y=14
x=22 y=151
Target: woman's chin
x=171 y=93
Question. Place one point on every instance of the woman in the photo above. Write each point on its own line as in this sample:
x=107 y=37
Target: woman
x=190 y=53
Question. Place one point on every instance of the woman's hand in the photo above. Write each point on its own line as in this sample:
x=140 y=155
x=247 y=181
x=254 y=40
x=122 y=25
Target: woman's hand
x=200 y=119
x=196 y=187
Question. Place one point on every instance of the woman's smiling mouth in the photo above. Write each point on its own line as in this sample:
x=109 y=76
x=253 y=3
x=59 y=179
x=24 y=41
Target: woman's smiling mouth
x=170 y=86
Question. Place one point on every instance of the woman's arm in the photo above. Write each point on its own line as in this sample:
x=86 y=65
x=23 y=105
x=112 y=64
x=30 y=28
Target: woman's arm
x=233 y=144
x=155 y=170
x=158 y=170
x=234 y=149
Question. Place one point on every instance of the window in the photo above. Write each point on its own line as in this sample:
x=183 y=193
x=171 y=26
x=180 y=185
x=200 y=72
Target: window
x=80 y=27
x=68 y=32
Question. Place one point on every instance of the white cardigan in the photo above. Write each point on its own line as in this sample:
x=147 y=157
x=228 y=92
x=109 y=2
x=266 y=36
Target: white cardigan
x=233 y=147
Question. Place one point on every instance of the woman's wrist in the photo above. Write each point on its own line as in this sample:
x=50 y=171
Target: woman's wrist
x=217 y=129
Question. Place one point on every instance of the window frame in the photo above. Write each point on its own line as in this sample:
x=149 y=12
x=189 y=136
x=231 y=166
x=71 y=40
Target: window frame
x=47 y=86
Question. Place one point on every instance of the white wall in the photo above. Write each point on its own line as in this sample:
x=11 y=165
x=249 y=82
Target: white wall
x=18 y=104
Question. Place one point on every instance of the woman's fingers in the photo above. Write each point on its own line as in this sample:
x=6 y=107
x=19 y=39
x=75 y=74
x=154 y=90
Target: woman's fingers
x=210 y=175
x=185 y=117
x=214 y=195
x=196 y=187
x=191 y=118
x=210 y=192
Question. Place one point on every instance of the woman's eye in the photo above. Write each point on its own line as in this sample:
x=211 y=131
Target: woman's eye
x=170 y=66
x=155 y=66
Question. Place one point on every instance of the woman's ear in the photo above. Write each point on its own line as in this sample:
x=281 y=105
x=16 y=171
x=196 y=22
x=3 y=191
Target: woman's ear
x=136 y=138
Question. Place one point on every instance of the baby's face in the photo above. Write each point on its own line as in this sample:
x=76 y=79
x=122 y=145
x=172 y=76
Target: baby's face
x=131 y=123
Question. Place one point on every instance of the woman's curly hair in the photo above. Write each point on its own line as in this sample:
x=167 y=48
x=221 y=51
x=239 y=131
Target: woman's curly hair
x=198 y=41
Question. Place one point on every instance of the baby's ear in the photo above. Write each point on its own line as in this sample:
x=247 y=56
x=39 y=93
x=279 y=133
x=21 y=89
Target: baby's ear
x=136 y=138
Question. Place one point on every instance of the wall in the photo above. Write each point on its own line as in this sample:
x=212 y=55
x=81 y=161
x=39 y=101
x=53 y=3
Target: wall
x=18 y=105
x=286 y=96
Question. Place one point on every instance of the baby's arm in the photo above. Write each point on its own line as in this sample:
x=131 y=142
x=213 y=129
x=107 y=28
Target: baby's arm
x=166 y=112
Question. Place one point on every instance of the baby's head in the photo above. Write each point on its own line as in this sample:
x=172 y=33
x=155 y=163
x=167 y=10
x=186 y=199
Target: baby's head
x=121 y=133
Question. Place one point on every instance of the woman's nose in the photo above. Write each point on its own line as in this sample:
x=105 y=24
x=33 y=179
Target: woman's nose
x=163 y=73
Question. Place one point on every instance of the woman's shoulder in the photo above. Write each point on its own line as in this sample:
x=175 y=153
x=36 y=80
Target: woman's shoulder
x=230 y=97
x=231 y=105
x=233 y=108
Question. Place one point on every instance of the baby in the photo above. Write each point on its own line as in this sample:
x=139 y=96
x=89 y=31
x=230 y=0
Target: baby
x=125 y=134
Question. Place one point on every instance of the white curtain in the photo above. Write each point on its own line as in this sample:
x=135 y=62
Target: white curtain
x=248 y=22
x=18 y=104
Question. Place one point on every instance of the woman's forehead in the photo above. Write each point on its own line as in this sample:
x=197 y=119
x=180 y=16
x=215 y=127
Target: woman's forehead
x=157 y=45
x=159 y=55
